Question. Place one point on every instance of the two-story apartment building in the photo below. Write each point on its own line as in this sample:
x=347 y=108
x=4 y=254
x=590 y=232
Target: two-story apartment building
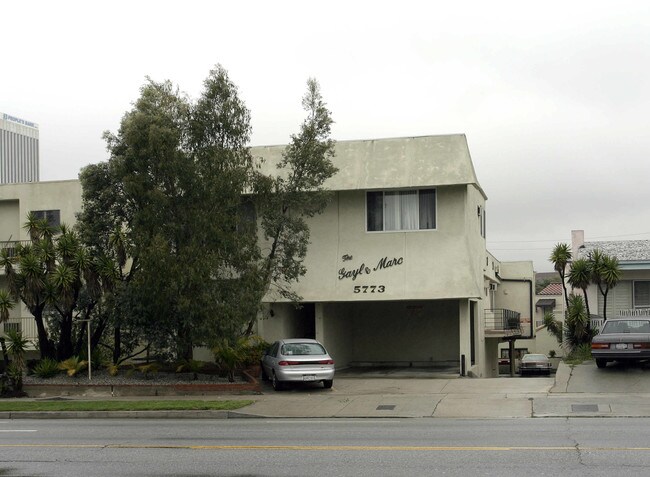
x=397 y=269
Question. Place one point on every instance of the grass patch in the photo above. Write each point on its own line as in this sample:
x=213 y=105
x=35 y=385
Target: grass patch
x=123 y=405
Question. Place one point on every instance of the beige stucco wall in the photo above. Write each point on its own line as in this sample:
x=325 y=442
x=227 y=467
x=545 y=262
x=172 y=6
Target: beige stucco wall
x=516 y=295
x=334 y=330
x=391 y=162
x=10 y=223
x=424 y=264
x=62 y=195
x=16 y=201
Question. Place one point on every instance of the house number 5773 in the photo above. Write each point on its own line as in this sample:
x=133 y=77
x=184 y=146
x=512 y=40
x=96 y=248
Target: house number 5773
x=369 y=289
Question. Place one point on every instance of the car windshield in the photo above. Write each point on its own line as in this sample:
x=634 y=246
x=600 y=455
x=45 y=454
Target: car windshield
x=534 y=357
x=301 y=349
x=626 y=326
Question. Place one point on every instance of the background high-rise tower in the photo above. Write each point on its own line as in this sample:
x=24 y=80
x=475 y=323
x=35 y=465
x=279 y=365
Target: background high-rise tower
x=18 y=150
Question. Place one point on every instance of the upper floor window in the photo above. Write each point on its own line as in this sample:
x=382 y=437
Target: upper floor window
x=401 y=210
x=53 y=217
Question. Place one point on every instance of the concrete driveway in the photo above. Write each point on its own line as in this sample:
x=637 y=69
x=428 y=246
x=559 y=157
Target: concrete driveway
x=615 y=378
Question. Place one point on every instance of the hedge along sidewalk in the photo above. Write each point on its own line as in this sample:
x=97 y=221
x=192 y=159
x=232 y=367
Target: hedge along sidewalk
x=157 y=405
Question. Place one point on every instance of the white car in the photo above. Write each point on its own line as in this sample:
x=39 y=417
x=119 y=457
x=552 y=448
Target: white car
x=297 y=360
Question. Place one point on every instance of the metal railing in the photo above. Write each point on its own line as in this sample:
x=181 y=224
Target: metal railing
x=501 y=319
x=26 y=325
x=634 y=312
x=10 y=245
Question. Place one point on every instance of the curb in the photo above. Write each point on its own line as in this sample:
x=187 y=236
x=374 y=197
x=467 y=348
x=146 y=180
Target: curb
x=204 y=414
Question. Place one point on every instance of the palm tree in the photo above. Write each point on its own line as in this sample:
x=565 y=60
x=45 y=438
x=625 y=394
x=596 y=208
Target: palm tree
x=576 y=327
x=6 y=305
x=560 y=257
x=580 y=277
x=606 y=273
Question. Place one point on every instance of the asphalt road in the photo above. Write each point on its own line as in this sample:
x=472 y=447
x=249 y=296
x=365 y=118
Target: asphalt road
x=333 y=447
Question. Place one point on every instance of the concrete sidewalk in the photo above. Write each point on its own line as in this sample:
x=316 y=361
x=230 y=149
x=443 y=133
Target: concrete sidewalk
x=579 y=391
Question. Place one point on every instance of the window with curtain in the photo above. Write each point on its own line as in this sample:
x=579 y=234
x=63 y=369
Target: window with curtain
x=401 y=210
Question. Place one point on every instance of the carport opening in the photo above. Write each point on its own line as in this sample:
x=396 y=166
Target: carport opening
x=307 y=321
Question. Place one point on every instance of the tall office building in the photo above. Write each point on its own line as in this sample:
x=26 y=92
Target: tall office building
x=18 y=150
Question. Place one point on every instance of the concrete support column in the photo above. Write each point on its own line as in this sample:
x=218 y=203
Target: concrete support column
x=464 y=336
x=319 y=312
x=492 y=358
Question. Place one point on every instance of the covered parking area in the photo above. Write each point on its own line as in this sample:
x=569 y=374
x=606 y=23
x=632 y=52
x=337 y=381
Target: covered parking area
x=414 y=334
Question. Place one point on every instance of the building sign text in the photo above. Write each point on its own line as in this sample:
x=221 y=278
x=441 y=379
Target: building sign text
x=366 y=270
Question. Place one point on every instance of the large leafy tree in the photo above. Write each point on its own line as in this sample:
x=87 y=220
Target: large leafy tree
x=172 y=192
x=287 y=199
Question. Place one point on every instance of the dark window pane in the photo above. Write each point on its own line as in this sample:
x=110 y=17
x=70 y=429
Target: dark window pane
x=53 y=217
x=375 y=211
x=642 y=294
x=427 y=209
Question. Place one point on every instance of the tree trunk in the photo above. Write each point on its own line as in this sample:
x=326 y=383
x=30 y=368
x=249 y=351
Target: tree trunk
x=184 y=343
x=44 y=343
x=64 y=347
x=117 y=349
x=584 y=293
x=5 y=356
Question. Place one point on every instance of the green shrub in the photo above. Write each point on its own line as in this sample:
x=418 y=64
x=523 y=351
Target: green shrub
x=46 y=368
x=148 y=369
x=190 y=366
x=229 y=356
x=579 y=354
x=73 y=365
x=15 y=374
x=113 y=369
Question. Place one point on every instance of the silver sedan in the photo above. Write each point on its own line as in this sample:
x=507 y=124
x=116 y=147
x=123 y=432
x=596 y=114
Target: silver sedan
x=297 y=360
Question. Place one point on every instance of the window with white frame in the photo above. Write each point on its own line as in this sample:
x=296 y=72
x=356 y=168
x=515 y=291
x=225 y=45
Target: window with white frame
x=642 y=294
x=413 y=209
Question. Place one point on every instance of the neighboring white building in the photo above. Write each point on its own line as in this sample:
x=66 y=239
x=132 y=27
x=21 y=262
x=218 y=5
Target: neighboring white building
x=397 y=270
x=632 y=293
x=18 y=150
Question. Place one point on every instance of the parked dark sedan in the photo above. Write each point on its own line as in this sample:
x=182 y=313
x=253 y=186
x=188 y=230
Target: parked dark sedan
x=622 y=339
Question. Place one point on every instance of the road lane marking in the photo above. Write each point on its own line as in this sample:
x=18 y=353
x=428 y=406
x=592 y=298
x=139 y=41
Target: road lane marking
x=18 y=430
x=334 y=448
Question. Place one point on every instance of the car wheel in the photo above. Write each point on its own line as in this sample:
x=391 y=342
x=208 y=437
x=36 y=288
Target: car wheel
x=601 y=363
x=327 y=383
x=277 y=384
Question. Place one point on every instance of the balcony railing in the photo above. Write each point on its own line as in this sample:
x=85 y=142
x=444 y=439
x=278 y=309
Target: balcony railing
x=635 y=312
x=10 y=245
x=26 y=325
x=503 y=322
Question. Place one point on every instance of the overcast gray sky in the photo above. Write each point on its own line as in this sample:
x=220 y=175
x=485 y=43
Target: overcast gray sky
x=552 y=96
